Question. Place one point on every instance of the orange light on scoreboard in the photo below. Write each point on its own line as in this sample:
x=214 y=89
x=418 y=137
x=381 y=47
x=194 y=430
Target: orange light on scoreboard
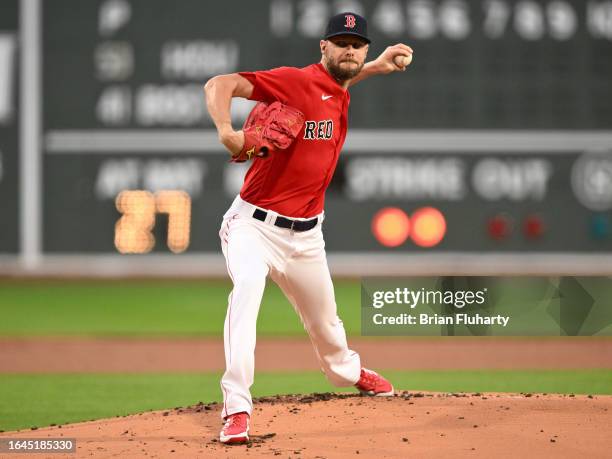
x=391 y=226
x=428 y=227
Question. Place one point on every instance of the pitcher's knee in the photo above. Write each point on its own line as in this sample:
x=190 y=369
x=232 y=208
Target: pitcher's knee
x=249 y=282
x=326 y=331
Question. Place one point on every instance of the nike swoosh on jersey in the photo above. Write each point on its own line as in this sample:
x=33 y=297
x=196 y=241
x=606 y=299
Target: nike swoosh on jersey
x=324 y=97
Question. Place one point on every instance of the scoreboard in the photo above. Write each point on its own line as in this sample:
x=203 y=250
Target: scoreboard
x=488 y=200
x=484 y=64
x=498 y=138
x=9 y=127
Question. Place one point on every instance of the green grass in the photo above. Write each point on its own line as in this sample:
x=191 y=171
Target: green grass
x=197 y=308
x=40 y=400
x=147 y=308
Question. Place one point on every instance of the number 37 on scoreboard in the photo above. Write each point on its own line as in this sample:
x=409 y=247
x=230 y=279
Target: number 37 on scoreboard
x=138 y=208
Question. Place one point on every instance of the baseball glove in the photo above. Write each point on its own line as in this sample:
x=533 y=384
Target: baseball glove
x=269 y=128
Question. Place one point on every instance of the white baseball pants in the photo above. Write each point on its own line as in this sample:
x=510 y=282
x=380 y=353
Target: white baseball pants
x=296 y=261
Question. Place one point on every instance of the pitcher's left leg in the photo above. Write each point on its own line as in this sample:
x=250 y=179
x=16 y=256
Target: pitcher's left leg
x=307 y=284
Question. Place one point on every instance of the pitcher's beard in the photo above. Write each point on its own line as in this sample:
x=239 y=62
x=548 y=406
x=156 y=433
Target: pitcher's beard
x=342 y=74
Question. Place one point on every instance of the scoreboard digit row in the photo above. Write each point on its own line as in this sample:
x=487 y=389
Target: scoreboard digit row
x=487 y=64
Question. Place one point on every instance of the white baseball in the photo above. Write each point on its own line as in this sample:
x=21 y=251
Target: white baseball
x=402 y=60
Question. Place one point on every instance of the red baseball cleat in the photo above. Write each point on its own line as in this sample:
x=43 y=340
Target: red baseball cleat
x=371 y=383
x=236 y=429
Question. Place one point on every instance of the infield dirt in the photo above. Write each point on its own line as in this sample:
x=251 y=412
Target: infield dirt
x=338 y=426
x=135 y=355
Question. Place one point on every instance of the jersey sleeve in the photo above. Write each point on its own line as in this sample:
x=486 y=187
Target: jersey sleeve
x=273 y=85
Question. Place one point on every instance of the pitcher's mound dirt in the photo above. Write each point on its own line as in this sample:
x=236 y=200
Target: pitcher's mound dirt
x=338 y=426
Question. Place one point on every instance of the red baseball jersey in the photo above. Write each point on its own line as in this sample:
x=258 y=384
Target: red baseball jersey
x=292 y=182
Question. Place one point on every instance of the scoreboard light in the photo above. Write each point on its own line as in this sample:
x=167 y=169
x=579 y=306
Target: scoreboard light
x=391 y=226
x=133 y=231
x=600 y=226
x=533 y=227
x=428 y=227
x=499 y=227
x=177 y=204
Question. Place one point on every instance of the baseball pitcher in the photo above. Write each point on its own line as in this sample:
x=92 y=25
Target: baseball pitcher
x=293 y=137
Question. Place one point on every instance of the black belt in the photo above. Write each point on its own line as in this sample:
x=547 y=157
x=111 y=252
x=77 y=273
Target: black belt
x=282 y=222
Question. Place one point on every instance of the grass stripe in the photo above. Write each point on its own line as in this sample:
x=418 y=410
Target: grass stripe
x=39 y=400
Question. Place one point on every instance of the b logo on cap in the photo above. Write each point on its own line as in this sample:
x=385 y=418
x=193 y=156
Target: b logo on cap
x=350 y=21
